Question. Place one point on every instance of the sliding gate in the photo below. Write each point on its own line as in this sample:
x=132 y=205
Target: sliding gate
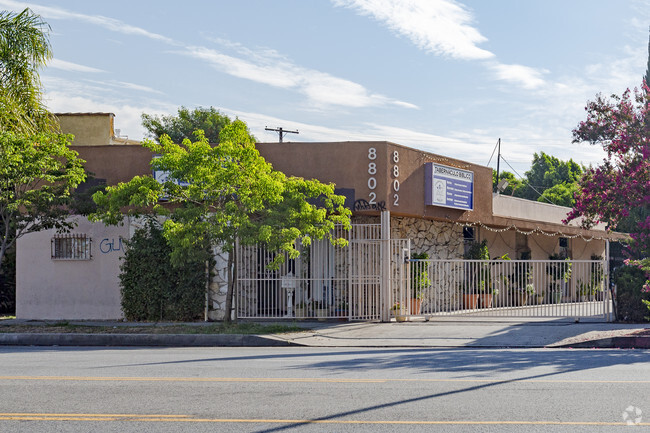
x=505 y=288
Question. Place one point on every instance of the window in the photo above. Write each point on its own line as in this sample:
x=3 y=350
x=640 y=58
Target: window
x=565 y=251
x=521 y=246
x=71 y=247
x=469 y=237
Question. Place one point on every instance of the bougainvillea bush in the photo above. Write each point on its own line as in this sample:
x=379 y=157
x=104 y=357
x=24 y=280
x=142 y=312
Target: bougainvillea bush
x=620 y=187
x=633 y=290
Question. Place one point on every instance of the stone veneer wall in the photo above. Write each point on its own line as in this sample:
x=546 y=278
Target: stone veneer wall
x=441 y=240
x=218 y=286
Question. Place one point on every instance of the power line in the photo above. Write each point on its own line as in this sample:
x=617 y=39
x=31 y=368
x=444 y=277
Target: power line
x=493 y=150
x=526 y=182
x=281 y=132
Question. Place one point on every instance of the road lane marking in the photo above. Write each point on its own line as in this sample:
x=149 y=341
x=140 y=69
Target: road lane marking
x=308 y=380
x=189 y=419
x=190 y=379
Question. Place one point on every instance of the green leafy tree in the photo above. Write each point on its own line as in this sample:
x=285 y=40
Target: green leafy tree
x=561 y=194
x=546 y=172
x=37 y=174
x=223 y=194
x=183 y=125
x=513 y=183
x=24 y=48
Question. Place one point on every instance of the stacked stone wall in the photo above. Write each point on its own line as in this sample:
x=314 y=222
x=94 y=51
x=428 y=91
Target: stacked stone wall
x=440 y=240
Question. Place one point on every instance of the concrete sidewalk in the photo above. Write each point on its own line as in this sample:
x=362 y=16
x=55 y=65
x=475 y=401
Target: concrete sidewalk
x=447 y=332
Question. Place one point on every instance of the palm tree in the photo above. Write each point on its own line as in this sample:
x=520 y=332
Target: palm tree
x=24 y=48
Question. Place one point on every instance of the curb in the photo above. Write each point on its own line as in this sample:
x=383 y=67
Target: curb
x=624 y=342
x=156 y=340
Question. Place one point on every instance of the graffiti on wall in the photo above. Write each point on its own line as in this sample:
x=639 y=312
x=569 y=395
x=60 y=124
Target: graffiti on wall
x=110 y=245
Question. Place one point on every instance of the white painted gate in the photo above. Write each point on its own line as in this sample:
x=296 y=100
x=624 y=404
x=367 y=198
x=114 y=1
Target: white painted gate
x=373 y=278
x=507 y=288
x=325 y=282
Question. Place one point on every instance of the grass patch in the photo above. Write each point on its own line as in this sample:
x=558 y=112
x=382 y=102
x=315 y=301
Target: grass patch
x=243 y=328
x=153 y=328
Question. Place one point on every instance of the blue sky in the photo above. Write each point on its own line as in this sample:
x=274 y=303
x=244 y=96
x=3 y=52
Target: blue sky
x=449 y=77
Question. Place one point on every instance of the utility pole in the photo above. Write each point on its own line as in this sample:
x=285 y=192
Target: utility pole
x=498 y=159
x=281 y=131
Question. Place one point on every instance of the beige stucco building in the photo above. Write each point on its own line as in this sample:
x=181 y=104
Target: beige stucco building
x=438 y=203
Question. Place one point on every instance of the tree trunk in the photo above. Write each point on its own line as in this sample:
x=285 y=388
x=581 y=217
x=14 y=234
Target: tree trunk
x=206 y=315
x=232 y=276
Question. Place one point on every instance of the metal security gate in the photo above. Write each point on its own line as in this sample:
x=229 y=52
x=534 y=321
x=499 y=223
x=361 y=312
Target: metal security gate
x=507 y=288
x=324 y=282
x=373 y=278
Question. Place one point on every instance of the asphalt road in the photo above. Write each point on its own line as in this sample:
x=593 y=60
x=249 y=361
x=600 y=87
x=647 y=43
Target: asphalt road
x=322 y=389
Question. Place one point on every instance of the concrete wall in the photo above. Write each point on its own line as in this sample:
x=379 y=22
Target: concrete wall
x=514 y=207
x=70 y=289
x=92 y=129
x=371 y=170
x=541 y=246
x=89 y=129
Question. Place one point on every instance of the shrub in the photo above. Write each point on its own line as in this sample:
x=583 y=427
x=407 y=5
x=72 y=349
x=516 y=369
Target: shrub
x=629 y=306
x=151 y=288
x=8 y=282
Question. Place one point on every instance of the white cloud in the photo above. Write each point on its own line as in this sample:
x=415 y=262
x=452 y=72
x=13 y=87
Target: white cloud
x=525 y=76
x=473 y=147
x=443 y=27
x=436 y=26
x=267 y=67
x=98 y=20
x=125 y=85
x=273 y=75
x=69 y=66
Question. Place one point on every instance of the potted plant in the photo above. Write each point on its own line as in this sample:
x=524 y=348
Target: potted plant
x=301 y=310
x=584 y=290
x=321 y=310
x=398 y=312
x=419 y=282
x=342 y=310
x=597 y=276
x=559 y=273
x=524 y=293
x=478 y=277
x=519 y=281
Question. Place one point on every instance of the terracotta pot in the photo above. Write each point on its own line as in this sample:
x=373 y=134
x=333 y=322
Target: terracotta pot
x=523 y=299
x=416 y=305
x=486 y=300
x=471 y=301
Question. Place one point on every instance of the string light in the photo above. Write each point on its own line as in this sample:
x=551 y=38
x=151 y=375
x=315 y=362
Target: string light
x=528 y=233
x=450 y=162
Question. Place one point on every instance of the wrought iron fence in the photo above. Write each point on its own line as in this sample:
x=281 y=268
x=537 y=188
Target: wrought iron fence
x=324 y=282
